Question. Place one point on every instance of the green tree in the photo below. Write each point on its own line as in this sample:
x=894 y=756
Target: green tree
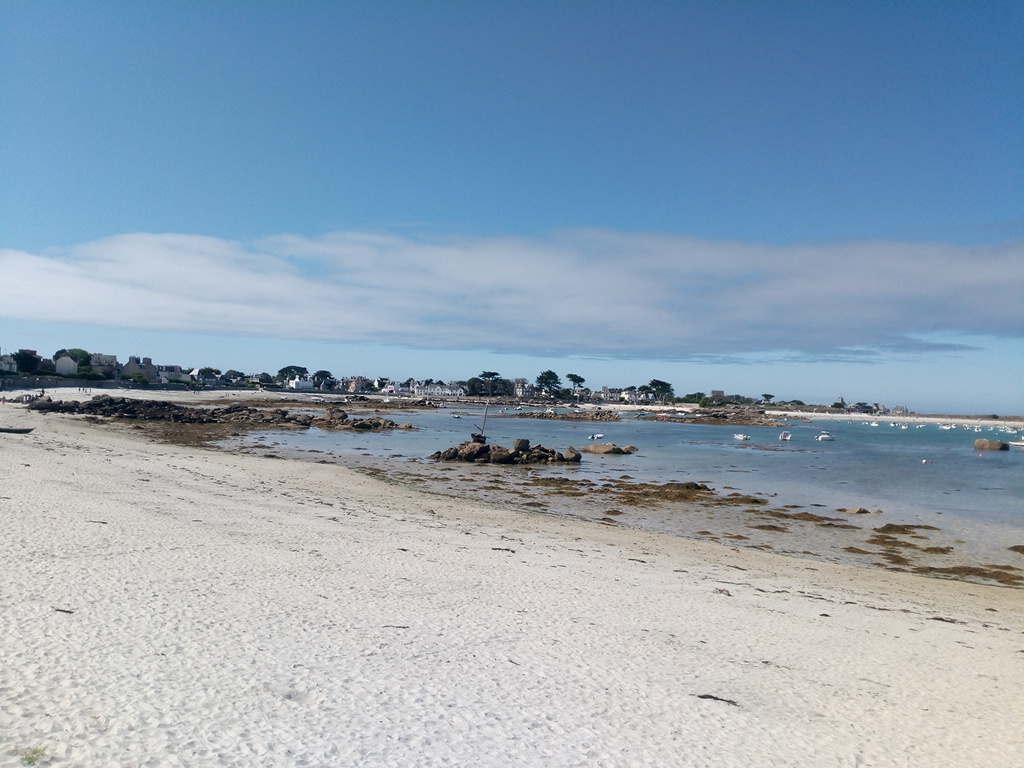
x=209 y=373
x=488 y=378
x=767 y=398
x=321 y=376
x=290 y=372
x=660 y=390
x=549 y=383
x=26 y=362
x=80 y=356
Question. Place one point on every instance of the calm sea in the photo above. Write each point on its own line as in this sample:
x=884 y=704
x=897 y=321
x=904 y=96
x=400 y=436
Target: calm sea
x=919 y=475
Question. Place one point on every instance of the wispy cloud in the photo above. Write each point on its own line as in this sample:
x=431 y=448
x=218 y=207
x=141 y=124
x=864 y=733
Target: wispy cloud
x=582 y=292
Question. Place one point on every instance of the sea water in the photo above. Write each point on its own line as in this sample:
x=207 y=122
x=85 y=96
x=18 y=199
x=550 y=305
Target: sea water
x=923 y=475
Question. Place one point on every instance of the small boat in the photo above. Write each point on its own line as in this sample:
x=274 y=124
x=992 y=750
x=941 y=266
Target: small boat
x=825 y=437
x=595 y=436
x=456 y=416
x=785 y=436
x=17 y=430
x=741 y=436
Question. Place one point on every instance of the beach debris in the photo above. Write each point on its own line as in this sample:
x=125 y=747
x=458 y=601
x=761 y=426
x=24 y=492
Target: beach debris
x=712 y=697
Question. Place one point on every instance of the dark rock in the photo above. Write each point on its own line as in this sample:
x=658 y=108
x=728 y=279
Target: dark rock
x=984 y=444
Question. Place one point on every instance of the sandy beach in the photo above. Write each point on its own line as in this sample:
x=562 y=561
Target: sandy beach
x=173 y=606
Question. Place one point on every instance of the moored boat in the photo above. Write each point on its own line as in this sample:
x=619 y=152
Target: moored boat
x=741 y=436
x=825 y=437
x=785 y=436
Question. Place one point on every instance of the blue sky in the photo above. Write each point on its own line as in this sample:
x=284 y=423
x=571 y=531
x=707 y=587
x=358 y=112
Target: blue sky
x=807 y=199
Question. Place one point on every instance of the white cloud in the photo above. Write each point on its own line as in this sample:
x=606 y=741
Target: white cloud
x=583 y=292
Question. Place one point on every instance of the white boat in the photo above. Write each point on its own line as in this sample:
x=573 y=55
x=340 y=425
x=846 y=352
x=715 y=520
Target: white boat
x=825 y=437
x=741 y=436
x=595 y=436
x=785 y=436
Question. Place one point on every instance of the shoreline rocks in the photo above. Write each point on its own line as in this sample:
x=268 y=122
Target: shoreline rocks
x=236 y=414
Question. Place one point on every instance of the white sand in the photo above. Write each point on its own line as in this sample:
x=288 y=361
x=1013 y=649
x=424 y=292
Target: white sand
x=164 y=606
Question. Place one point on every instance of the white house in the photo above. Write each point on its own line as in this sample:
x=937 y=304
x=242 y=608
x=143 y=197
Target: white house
x=300 y=382
x=437 y=390
x=65 y=365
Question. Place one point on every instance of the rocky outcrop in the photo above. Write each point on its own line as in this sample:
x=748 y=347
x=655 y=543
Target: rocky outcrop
x=521 y=453
x=984 y=444
x=731 y=416
x=571 y=416
x=608 y=449
x=240 y=415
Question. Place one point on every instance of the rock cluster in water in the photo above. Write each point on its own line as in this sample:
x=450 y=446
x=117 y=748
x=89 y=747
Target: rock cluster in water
x=571 y=416
x=521 y=453
x=608 y=449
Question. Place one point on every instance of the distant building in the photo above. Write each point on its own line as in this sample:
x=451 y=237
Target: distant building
x=106 y=365
x=300 y=382
x=170 y=373
x=65 y=365
x=355 y=384
x=145 y=368
x=437 y=390
x=7 y=364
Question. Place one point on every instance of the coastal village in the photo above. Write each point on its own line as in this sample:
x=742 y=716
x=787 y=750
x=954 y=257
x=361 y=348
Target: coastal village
x=26 y=368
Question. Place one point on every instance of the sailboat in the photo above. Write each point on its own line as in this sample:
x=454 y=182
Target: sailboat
x=481 y=436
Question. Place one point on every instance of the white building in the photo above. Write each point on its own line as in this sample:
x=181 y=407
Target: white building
x=65 y=365
x=437 y=390
x=300 y=382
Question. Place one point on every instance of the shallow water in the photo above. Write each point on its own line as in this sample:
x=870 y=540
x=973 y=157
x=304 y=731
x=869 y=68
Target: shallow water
x=926 y=475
